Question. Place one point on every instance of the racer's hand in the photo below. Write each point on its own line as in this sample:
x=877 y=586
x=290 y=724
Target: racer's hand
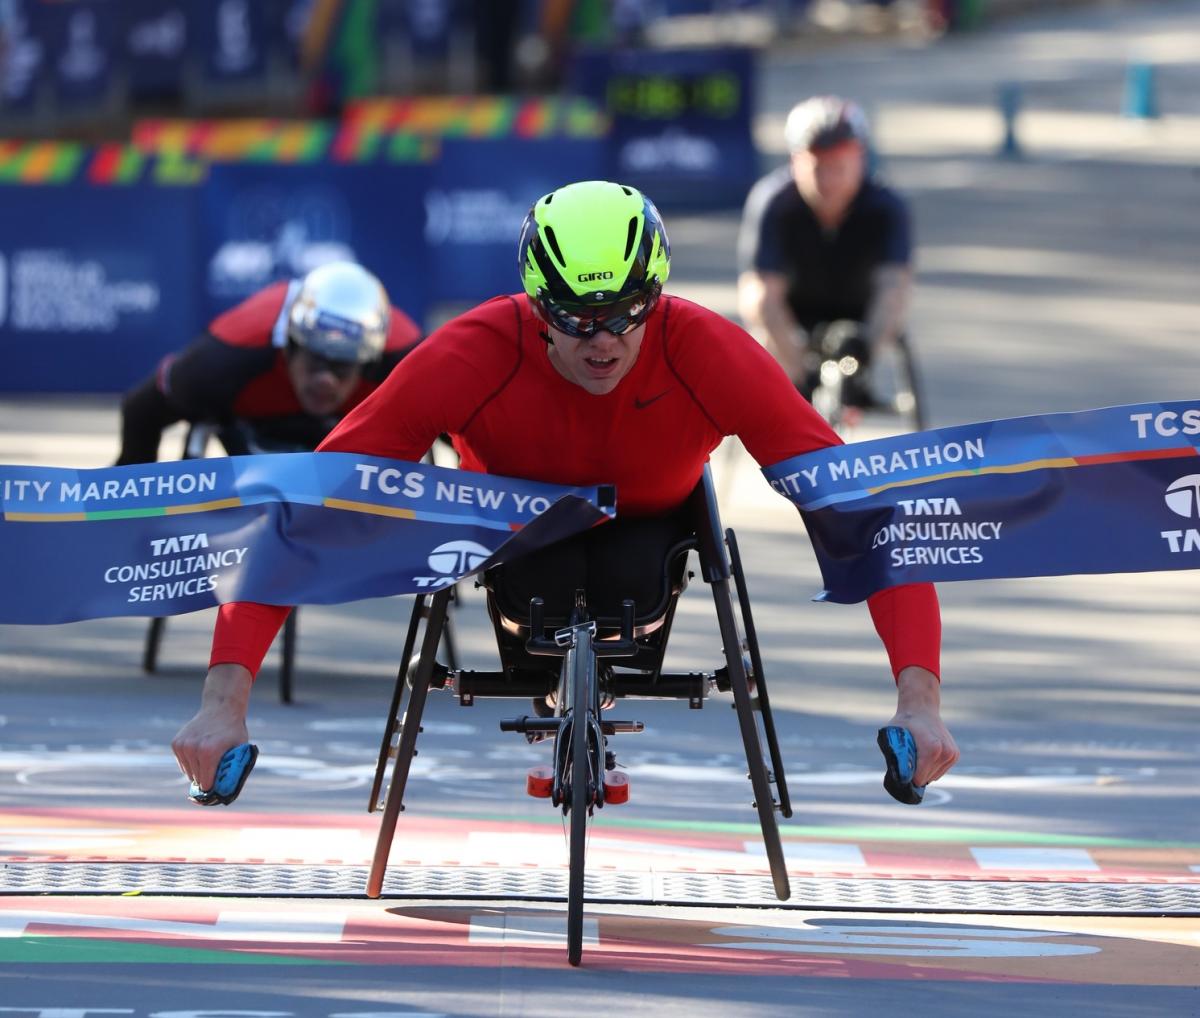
x=220 y=724
x=918 y=703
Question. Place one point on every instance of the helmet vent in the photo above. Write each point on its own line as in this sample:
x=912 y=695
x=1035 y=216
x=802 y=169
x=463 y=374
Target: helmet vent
x=631 y=237
x=626 y=190
x=553 y=240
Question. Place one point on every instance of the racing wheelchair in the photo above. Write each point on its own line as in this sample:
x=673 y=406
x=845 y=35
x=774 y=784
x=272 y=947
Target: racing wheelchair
x=582 y=658
x=839 y=389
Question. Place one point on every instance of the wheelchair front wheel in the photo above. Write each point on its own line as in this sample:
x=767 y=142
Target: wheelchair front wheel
x=584 y=779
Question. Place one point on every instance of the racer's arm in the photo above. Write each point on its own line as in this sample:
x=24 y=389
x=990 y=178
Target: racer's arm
x=434 y=390
x=762 y=304
x=199 y=383
x=918 y=708
x=892 y=279
x=762 y=279
x=745 y=393
x=218 y=725
x=887 y=310
x=145 y=413
x=245 y=630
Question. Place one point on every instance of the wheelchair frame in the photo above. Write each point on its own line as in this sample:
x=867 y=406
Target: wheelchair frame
x=579 y=762
x=906 y=402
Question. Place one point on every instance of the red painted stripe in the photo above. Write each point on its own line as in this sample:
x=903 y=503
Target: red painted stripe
x=1137 y=454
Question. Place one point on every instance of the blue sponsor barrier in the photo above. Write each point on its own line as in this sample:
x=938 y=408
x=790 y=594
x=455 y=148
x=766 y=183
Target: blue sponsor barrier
x=304 y=528
x=1104 y=491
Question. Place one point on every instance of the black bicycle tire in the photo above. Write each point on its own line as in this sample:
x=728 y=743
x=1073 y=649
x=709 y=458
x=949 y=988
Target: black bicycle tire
x=583 y=662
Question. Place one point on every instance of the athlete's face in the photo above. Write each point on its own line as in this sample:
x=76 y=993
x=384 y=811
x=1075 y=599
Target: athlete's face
x=598 y=363
x=321 y=385
x=829 y=180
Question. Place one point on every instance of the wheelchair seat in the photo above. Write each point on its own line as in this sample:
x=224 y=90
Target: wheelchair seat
x=512 y=616
x=669 y=540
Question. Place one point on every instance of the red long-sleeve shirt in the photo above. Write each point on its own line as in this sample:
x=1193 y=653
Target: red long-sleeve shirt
x=486 y=379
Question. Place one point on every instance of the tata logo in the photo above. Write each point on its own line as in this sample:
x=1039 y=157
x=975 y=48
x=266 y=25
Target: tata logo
x=1183 y=497
x=452 y=560
x=591 y=277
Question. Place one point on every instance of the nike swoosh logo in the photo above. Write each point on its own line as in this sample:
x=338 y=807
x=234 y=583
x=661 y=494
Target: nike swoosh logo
x=641 y=404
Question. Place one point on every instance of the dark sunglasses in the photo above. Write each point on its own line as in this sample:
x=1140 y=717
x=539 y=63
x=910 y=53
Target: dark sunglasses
x=315 y=364
x=583 y=321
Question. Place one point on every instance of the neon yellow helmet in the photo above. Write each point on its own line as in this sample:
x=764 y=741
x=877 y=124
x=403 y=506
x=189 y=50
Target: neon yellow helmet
x=594 y=256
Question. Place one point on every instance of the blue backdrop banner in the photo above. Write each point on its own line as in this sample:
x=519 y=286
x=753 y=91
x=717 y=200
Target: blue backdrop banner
x=681 y=121
x=96 y=283
x=302 y=528
x=264 y=222
x=477 y=198
x=1104 y=491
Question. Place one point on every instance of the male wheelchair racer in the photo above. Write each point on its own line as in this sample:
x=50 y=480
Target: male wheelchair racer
x=609 y=648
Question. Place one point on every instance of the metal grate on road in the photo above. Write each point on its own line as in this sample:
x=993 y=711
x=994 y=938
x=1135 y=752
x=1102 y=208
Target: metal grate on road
x=606 y=887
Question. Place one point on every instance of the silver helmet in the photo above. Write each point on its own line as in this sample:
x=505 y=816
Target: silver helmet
x=340 y=312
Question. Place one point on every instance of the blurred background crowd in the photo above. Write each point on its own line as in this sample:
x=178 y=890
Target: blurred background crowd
x=162 y=160
x=85 y=68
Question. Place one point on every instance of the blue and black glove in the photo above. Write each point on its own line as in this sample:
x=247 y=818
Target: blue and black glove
x=232 y=771
x=900 y=752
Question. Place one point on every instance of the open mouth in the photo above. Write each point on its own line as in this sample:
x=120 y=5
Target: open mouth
x=601 y=364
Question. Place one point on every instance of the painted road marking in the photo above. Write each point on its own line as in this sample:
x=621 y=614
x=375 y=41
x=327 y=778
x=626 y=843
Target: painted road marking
x=301 y=926
x=518 y=848
x=309 y=842
x=521 y=930
x=112 y=834
x=50 y=839
x=815 y=855
x=83 y=1012
x=1077 y=860
x=895 y=939
x=91 y=931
